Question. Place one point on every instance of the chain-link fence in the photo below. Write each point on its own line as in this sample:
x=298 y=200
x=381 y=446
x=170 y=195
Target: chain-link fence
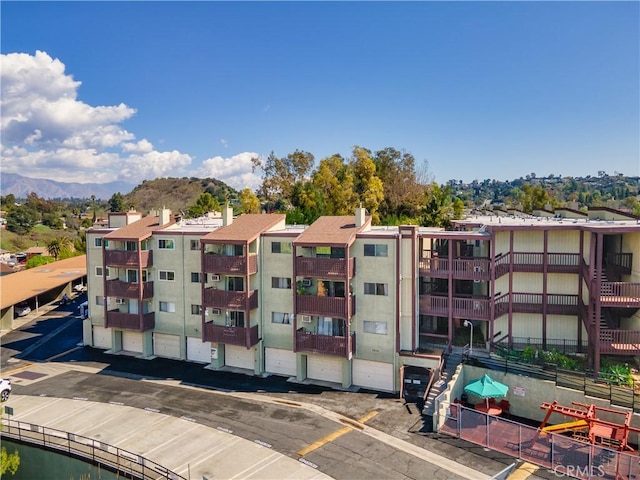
x=566 y=456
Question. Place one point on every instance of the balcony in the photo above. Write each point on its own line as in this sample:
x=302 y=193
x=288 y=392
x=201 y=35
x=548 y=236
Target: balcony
x=530 y=262
x=127 y=258
x=620 y=262
x=230 y=335
x=460 y=268
x=130 y=321
x=325 y=344
x=230 y=264
x=229 y=299
x=557 y=304
x=619 y=342
x=118 y=288
x=335 y=307
x=470 y=308
x=620 y=294
x=321 y=267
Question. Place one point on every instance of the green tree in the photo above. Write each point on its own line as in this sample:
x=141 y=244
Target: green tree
x=440 y=207
x=116 y=202
x=367 y=184
x=37 y=261
x=204 y=204
x=249 y=202
x=59 y=245
x=281 y=174
x=21 y=220
x=9 y=462
x=334 y=180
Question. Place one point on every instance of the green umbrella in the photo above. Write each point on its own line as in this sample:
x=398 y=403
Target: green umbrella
x=487 y=387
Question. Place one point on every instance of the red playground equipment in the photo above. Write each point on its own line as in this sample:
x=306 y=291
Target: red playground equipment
x=588 y=427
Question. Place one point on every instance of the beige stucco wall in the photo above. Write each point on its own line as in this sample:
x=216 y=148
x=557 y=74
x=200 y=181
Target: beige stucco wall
x=276 y=299
x=408 y=301
x=379 y=308
x=563 y=283
x=95 y=287
x=563 y=241
x=178 y=291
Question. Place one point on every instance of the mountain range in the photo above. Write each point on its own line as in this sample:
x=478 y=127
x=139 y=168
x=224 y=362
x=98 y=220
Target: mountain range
x=21 y=187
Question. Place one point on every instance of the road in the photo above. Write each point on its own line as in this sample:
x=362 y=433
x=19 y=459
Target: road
x=268 y=410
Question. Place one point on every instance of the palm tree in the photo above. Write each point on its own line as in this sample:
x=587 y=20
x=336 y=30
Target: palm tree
x=58 y=245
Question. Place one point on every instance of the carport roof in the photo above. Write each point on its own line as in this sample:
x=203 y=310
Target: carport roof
x=19 y=286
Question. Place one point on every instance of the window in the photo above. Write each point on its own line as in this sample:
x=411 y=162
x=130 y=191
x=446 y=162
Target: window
x=167 y=275
x=97 y=242
x=99 y=300
x=131 y=246
x=166 y=244
x=195 y=244
x=100 y=271
x=235 y=284
x=132 y=276
x=280 y=247
x=375 y=250
x=278 y=317
x=195 y=277
x=196 y=309
x=376 y=289
x=167 y=307
x=235 y=319
x=280 y=282
x=377 y=328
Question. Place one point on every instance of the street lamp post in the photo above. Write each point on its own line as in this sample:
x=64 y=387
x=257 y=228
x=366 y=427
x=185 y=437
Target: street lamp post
x=467 y=323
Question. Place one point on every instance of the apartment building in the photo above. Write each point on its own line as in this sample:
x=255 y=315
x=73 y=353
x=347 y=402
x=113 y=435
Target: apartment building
x=343 y=303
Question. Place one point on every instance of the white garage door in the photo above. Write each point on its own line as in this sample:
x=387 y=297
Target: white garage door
x=324 y=368
x=240 y=357
x=198 y=351
x=132 y=341
x=167 y=346
x=279 y=361
x=374 y=375
x=101 y=337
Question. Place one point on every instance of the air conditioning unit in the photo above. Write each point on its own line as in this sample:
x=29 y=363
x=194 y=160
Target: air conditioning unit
x=214 y=278
x=120 y=301
x=477 y=269
x=306 y=282
x=216 y=311
x=306 y=318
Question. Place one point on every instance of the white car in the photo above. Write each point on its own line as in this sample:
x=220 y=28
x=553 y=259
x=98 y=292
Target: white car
x=5 y=389
x=22 y=309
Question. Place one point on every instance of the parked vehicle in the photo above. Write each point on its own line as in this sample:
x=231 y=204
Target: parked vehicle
x=22 y=309
x=5 y=389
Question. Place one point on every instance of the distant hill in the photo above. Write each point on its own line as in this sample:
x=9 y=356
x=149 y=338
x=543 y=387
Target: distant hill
x=176 y=194
x=21 y=187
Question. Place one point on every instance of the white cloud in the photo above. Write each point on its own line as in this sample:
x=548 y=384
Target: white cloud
x=235 y=171
x=48 y=133
x=224 y=143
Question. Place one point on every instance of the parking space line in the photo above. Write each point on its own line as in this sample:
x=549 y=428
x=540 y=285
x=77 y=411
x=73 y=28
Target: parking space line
x=334 y=435
x=6 y=373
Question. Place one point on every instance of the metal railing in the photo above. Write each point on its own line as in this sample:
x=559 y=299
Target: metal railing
x=563 y=455
x=117 y=460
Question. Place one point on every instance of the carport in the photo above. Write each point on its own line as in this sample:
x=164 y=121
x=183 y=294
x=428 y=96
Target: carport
x=39 y=286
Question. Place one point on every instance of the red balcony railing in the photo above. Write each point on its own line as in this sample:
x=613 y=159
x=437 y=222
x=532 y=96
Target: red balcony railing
x=127 y=258
x=130 y=321
x=320 y=267
x=230 y=300
x=118 y=288
x=534 y=262
x=325 y=344
x=620 y=294
x=621 y=262
x=230 y=335
x=471 y=308
x=557 y=304
x=230 y=264
x=619 y=342
x=338 y=307
x=461 y=268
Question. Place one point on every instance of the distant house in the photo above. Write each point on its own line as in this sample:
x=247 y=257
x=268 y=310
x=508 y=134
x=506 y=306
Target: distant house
x=6 y=269
x=35 y=251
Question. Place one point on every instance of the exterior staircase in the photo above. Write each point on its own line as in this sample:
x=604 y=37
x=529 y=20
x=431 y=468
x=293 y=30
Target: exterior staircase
x=454 y=359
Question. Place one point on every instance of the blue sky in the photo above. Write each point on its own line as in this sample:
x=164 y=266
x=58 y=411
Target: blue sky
x=135 y=90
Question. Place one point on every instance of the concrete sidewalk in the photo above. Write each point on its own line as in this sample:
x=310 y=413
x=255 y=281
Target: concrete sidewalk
x=189 y=449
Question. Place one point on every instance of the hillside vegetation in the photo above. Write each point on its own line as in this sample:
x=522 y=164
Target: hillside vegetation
x=176 y=194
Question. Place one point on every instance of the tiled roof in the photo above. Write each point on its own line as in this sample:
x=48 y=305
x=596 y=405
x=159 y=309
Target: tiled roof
x=332 y=231
x=245 y=228
x=139 y=230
